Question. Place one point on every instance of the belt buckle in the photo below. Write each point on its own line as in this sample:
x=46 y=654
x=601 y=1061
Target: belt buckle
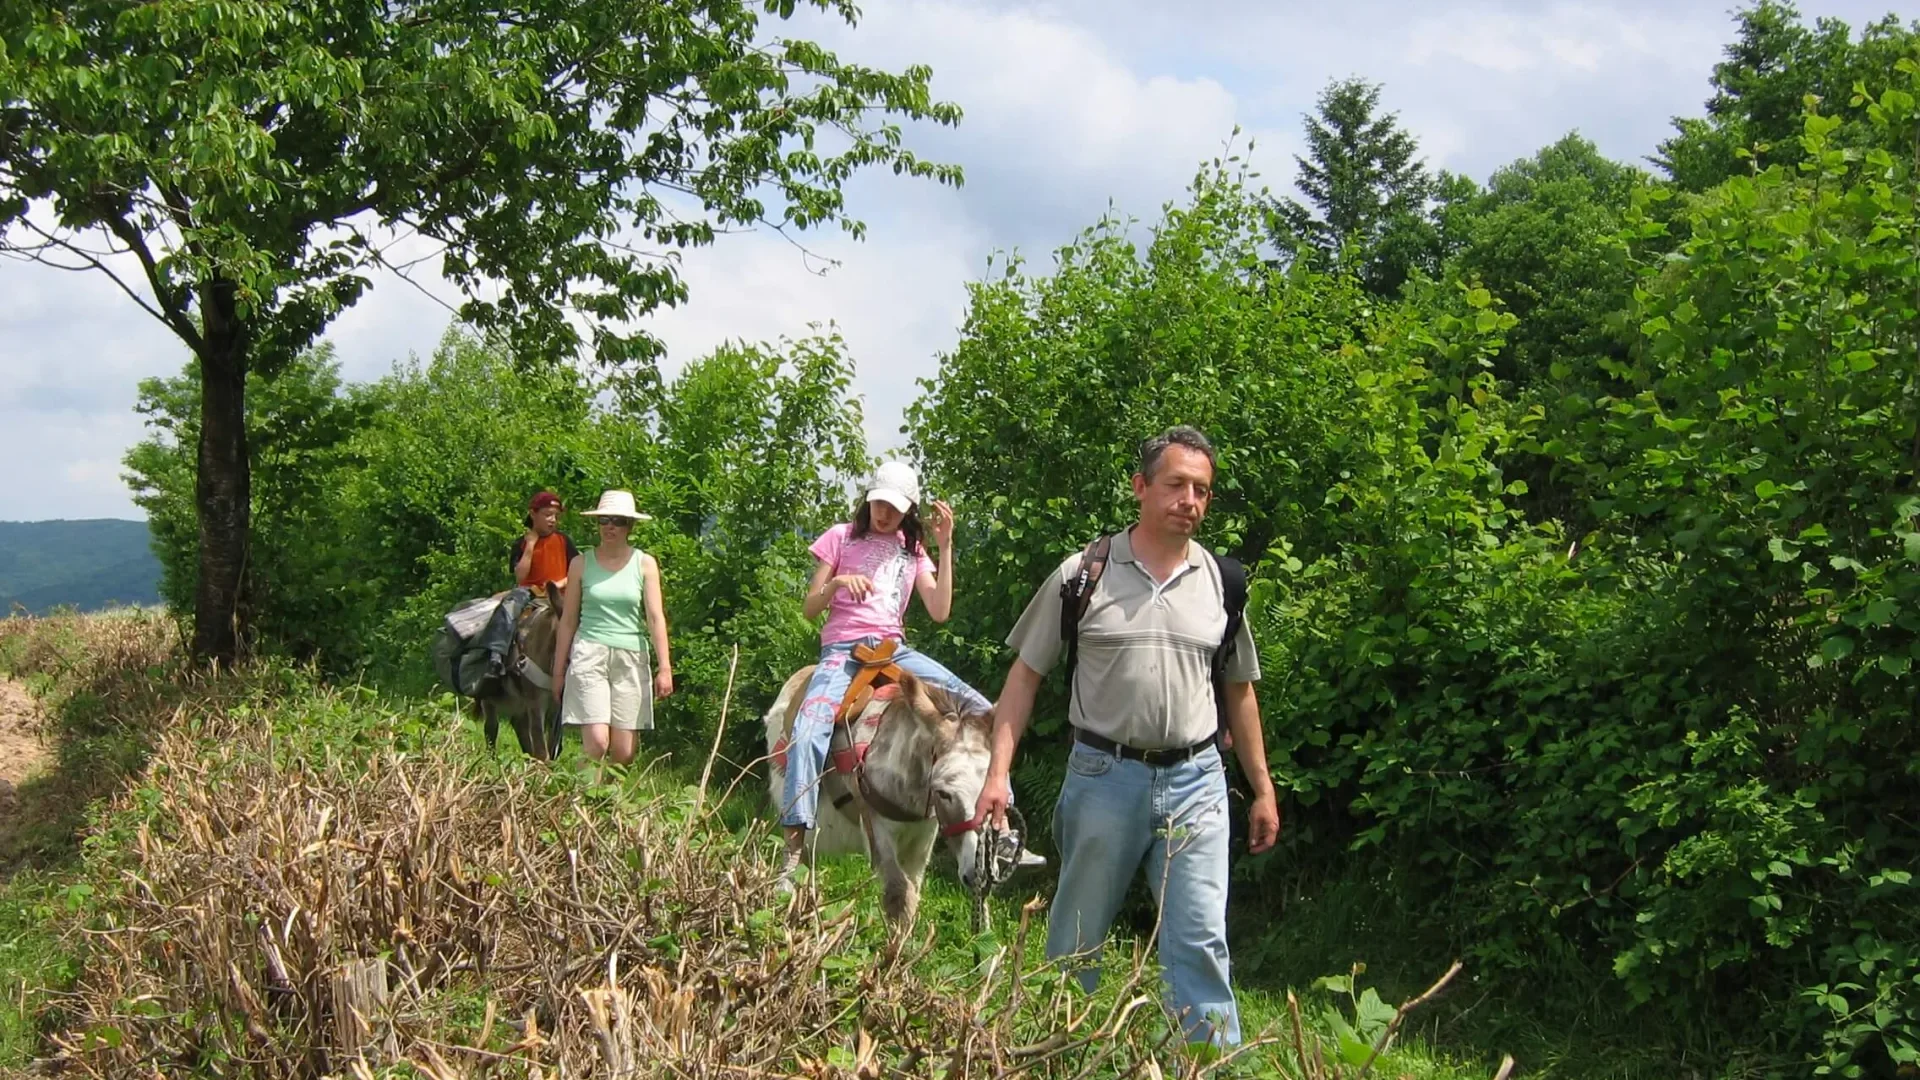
x=1172 y=755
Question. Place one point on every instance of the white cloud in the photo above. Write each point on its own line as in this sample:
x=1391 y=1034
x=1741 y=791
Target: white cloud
x=1574 y=40
x=1056 y=129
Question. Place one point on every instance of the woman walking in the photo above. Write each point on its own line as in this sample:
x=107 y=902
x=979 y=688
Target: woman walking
x=600 y=656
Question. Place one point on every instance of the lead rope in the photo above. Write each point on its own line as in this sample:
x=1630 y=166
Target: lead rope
x=996 y=856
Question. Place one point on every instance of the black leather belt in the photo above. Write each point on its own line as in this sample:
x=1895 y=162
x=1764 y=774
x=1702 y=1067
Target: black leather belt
x=1150 y=757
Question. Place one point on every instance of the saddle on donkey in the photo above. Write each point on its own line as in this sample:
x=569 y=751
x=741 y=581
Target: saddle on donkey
x=857 y=718
x=483 y=640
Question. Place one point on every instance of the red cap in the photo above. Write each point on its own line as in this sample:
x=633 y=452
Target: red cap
x=542 y=501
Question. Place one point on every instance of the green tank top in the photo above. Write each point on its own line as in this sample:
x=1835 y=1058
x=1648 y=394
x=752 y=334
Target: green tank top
x=610 y=605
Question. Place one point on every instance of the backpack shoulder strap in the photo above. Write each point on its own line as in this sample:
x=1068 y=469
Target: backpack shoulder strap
x=1076 y=593
x=1233 y=594
x=1233 y=589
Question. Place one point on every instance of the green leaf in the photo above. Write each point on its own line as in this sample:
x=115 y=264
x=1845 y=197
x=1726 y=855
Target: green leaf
x=1372 y=1014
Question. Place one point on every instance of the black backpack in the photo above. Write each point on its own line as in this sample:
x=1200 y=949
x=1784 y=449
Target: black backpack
x=1076 y=593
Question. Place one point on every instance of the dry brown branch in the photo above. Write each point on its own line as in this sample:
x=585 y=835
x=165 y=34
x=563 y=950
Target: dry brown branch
x=1400 y=1015
x=719 y=730
x=342 y=907
x=1309 y=1059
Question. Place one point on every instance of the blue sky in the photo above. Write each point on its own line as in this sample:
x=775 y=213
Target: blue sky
x=1071 y=105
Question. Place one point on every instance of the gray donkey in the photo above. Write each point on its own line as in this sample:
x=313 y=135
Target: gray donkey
x=524 y=693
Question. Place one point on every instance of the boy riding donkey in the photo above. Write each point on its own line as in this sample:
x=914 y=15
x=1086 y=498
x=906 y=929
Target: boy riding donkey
x=539 y=558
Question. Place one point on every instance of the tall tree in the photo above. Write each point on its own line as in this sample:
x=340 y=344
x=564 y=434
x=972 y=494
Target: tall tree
x=1543 y=238
x=301 y=424
x=1760 y=90
x=252 y=157
x=1367 y=193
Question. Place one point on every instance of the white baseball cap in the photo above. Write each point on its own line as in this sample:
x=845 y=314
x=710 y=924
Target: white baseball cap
x=896 y=484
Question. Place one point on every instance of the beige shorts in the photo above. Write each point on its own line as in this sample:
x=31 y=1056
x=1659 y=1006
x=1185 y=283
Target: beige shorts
x=606 y=685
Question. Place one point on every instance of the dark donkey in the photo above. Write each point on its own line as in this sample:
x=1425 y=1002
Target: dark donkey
x=525 y=692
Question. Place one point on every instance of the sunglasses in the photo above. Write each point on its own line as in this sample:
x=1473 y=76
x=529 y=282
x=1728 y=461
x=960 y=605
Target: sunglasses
x=617 y=522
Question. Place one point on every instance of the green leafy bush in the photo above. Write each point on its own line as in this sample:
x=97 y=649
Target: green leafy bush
x=1679 y=746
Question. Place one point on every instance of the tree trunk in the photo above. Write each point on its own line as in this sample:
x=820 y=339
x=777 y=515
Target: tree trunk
x=223 y=489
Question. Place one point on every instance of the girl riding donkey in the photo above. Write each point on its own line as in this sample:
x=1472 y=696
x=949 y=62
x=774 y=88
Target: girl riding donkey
x=865 y=573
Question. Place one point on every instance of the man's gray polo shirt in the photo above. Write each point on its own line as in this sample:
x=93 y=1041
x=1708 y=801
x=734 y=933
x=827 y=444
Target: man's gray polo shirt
x=1145 y=673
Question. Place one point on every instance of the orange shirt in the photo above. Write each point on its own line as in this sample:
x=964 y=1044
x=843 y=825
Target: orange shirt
x=551 y=554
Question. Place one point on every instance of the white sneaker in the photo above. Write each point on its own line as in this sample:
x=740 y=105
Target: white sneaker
x=788 y=882
x=1012 y=856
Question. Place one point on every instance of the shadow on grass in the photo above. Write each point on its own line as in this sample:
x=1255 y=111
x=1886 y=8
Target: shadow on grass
x=108 y=684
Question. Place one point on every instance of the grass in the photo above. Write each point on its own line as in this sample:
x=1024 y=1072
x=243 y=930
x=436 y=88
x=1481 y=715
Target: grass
x=108 y=682
x=35 y=963
x=275 y=732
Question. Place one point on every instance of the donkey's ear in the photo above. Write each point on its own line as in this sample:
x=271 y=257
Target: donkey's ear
x=556 y=594
x=914 y=692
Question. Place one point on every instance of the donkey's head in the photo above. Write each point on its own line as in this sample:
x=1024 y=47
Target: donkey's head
x=539 y=627
x=932 y=751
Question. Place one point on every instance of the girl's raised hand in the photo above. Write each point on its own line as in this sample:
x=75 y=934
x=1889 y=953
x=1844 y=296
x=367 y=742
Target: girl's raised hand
x=940 y=517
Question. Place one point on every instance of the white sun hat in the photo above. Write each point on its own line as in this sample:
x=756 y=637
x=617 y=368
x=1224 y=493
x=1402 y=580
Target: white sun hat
x=616 y=503
x=896 y=484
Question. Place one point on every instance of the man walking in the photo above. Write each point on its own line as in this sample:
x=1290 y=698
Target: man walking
x=1145 y=781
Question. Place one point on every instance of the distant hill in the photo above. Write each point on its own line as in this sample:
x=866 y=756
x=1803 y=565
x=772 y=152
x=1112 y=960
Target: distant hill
x=87 y=565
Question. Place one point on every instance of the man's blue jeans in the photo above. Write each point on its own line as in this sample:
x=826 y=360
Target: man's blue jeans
x=1115 y=814
x=813 y=725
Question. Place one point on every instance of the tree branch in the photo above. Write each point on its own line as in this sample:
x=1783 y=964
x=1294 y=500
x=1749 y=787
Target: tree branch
x=183 y=327
x=173 y=302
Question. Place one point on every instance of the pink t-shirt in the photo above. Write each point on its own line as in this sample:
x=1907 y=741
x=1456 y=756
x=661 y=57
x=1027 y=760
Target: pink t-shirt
x=885 y=561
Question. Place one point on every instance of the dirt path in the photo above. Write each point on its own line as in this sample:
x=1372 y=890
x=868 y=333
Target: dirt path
x=24 y=748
